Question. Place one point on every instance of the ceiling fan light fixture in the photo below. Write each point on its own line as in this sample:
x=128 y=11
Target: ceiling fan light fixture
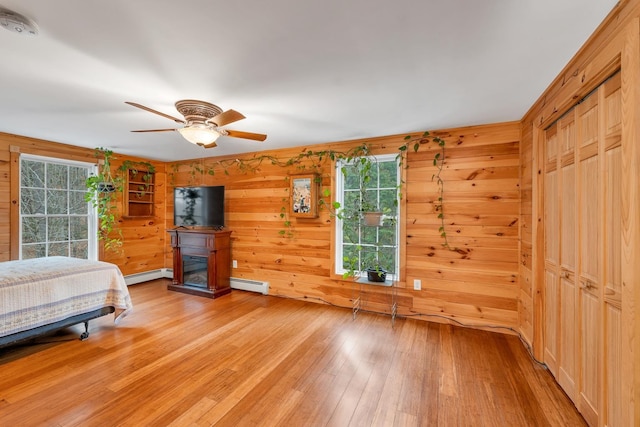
x=199 y=134
x=17 y=23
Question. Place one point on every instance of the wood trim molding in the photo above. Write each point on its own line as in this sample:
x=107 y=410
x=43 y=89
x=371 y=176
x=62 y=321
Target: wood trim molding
x=537 y=255
x=402 y=243
x=631 y=223
x=603 y=65
x=14 y=213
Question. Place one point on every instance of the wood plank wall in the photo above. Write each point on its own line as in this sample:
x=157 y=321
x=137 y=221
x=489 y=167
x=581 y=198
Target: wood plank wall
x=475 y=285
x=144 y=239
x=525 y=301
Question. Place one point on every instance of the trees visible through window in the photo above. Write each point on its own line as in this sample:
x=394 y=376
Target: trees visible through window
x=359 y=246
x=55 y=219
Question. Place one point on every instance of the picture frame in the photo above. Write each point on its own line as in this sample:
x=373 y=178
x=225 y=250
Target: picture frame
x=303 y=196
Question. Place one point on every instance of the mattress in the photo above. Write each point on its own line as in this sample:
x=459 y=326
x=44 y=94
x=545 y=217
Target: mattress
x=42 y=291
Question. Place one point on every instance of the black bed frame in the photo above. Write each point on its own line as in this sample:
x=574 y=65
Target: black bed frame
x=45 y=329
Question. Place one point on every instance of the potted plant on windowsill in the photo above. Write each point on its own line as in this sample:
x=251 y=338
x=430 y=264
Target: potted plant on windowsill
x=380 y=258
x=376 y=274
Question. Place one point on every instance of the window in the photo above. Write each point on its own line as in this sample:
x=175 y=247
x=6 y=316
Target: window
x=368 y=246
x=55 y=219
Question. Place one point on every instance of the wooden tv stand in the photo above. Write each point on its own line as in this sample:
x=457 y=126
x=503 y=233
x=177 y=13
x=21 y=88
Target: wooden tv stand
x=201 y=262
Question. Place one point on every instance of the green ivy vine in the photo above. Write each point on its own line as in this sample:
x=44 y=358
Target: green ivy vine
x=315 y=161
x=438 y=163
x=103 y=189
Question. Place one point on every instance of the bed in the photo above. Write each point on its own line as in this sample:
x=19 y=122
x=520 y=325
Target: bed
x=41 y=295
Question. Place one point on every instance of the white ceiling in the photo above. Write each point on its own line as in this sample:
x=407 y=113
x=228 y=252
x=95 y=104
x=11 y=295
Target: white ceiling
x=301 y=71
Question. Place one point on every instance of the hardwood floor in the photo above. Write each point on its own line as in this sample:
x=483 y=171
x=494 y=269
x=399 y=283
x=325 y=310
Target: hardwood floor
x=247 y=359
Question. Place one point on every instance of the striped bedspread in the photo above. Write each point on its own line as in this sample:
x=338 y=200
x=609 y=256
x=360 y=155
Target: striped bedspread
x=41 y=291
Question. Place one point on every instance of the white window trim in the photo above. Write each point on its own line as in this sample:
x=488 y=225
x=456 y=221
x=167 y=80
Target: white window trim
x=339 y=197
x=93 y=212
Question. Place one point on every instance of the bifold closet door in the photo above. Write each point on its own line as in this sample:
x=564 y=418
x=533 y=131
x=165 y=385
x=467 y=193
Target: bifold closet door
x=612 y=253
x=560 y=253
x=567 y=366
x=589 y=244
x=583 y=263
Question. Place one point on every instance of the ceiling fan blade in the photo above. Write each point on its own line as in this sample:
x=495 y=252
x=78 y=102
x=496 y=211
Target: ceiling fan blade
x=225 y=118
x=246 y=135
x=212 y=145
x=155 y=112
x=154 y=130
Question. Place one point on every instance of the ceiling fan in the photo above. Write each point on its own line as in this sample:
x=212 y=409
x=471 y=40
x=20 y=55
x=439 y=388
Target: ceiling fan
x=202 y=122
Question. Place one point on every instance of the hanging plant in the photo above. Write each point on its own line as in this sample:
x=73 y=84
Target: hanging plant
x=103 y=182
x=101 y=193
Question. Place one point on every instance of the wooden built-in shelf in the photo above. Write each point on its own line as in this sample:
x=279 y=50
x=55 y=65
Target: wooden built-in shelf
x=139 y=194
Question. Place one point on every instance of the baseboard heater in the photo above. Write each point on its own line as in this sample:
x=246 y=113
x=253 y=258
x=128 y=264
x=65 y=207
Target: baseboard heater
x=236 y=283
x=250 y=285
x=132 y=279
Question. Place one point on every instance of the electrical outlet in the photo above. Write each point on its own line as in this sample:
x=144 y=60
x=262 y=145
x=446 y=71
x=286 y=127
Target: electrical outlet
x=417 y=284
x=235 y=263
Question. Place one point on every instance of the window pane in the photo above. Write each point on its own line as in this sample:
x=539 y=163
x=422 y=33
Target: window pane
x=369 y=235
x=79 y=228
x=34 y=251
x=57 y=202
x=386 y=257
x=77 y=203
x=387 y=236
x=34 y=229
x=350 y=231
x=32 y=174
x=80 y=249
x=369 y=257
x=351 y=181
x=58 y=249
x=57 y=176
x=388 y=200
x=388 y=174
x=58 y=229
x=372 y=182
x=77 y=178
x=32 y=201
x=351 y=200
x=350 y=254
x=370 y=202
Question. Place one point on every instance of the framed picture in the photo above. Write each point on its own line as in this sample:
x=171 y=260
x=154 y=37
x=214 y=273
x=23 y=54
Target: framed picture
x=304 y=196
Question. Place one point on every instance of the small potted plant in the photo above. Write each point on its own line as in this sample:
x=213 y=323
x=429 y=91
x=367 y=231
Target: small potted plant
x=379 y=259
x=376 y=274
x=371 y=215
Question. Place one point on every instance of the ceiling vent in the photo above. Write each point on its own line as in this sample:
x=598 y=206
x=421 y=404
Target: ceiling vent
x=17 y=23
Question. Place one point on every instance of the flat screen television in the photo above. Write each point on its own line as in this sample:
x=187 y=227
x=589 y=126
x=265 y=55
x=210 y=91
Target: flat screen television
x=198 y=206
